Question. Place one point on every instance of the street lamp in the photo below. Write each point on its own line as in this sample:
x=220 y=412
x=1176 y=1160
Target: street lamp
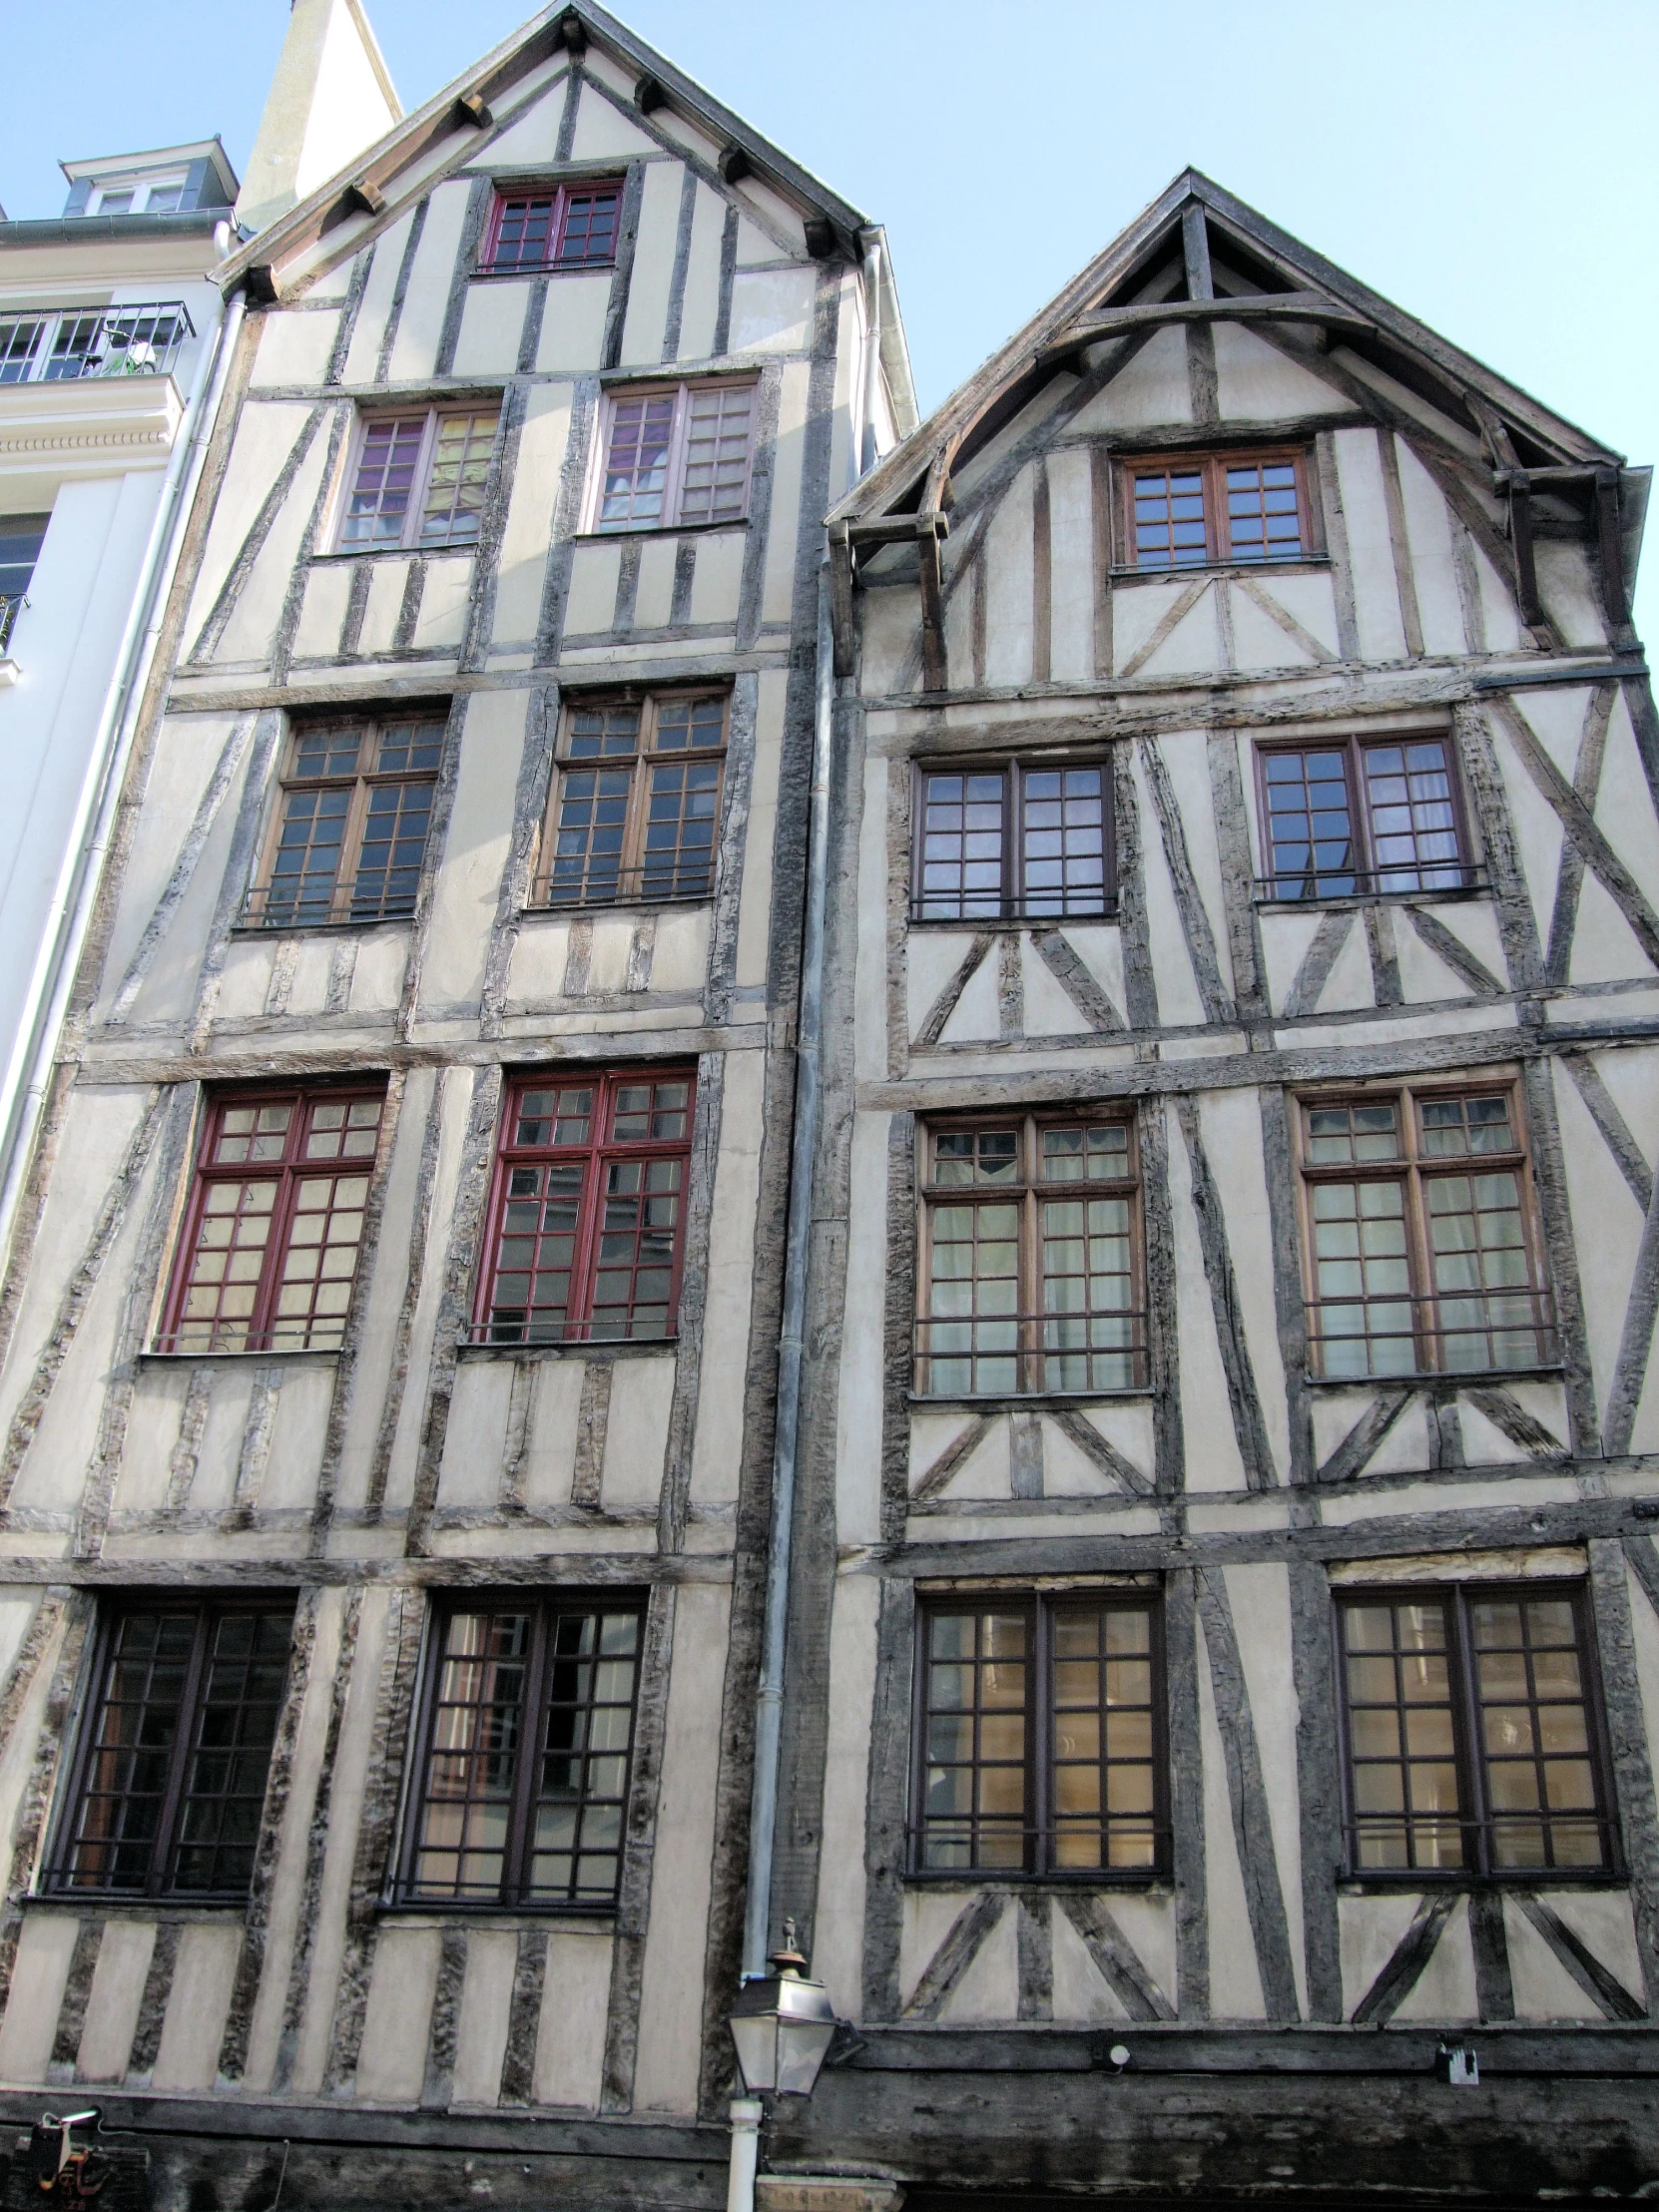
x=783 y=2026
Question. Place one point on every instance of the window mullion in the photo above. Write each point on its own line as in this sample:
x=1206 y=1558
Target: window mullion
x=585 y=1253
x=165 y=1853
x=352 y=839
x=1039 y=1741
x=1029 y=1257
x=679 y=438
x=1471 y=1764
x=1013 y=843
x=532 y=1725
x=261 y=1322
x=421 y=483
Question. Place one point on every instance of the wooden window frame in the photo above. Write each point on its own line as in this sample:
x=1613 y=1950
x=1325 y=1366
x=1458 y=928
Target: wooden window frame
x=286 y=1173
x=632 y=868
x=1013 y=768
x=57 y=1878
x=1211 y=462
x=1475 y=1814
x=1038 y=1608
x=560 y=190
x=1415 y=1168
x=409 y=540
x=1028 y=1192
x=674 y=487
x=371 y=728
x=545 y=1606
x=600 y=1148
x=1353 y=744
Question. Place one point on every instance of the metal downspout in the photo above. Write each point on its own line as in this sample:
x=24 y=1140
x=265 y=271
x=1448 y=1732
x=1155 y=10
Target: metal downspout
x=48 y=998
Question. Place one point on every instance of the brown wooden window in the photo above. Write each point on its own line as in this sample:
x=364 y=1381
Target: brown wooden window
x=1027 y=838
x=587 y=1223
x=1031 y=1270
x=1040 y=1737
x=270 y=1251
x=417 y=480
x=633 y=814
x=1351 y=814
x=1190 y=511
x=1475 y=1739
x=168 y=1789
x=554 y=226
x=526 y=1744
x=674 y=456
x=348 y=839
x=1422 y=1235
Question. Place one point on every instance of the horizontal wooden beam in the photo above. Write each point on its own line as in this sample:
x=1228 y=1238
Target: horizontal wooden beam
x=1270 y=306
x=899 y=529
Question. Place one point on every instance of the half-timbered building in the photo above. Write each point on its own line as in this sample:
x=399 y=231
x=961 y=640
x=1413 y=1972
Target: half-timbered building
x=386 y=1428
x=1224 y=1655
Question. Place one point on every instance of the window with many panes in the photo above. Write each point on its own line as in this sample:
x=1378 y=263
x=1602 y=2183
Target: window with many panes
x=268 y=1254
x=1027 y=838
x=167 y=1790
x=1473 y=1736
x=1356 y=814
x=674 y=456
x=348 y=840
x=1039 y=1735
x=549 y=227
x=417 y=480
x=1421 y=1242
x=634 y=812
x=1191 y=510
x=527 y=1743
x=586 y=1220
x=1030 y=1280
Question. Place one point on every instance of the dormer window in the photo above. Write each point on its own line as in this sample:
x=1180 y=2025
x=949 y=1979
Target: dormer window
x=1195 y=510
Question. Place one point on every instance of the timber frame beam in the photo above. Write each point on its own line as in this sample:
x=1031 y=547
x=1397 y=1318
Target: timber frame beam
x=926 y=531
x=1267 y=307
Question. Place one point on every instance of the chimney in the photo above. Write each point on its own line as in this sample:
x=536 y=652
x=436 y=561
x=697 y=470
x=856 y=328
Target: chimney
x=330 y=98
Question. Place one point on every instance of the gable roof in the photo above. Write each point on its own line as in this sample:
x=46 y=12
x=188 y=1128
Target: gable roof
x=570 y=27
x=1195 y=219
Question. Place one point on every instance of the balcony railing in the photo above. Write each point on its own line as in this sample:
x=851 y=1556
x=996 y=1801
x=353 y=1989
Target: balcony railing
x=1455 y=1333
x=308 y=907
x=138 y=340
x=8 y=614
x=1303 y=885
x=1030 y=1355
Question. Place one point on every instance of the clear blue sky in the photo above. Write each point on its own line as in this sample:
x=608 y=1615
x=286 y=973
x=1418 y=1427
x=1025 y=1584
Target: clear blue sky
x=1490 y=165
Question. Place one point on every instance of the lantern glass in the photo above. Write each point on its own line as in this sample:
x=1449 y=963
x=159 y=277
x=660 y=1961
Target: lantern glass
x=782 y=2028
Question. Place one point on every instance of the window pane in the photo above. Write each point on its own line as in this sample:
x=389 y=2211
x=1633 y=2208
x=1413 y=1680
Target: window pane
x=1401 y=1758
x=1338 y=1134
x=575 y=1848
x=633 y=1284
x=636 y=467
x=716 y=483
x=472 y=1765
x=540 y=1218
x=690 y=725
x=971 y=1335
x=406 y=747
x=455 y=489
x=225 y=1266
x=394 y=848
x=682 y=815
x=343 y=1129
x=586 y=863
x=74 y=348
x=524 y=231
x=1091 y=1332
x=379 y=500
x=1485 y=1312
x=1413 y=828
x=1534 y=1734
x=976 y=1721
x=604 y=733
x=587 y=236
x=314 y=1288
x=1310 y=833
x=117 y=1821
x=1103 y=1777
x=1361 y=1323
x=1169 y=519
x=304 y=869
x=1262 y=519
x=1063 y=841
x=19 y=349
x=961 y=871
x=225 y=1779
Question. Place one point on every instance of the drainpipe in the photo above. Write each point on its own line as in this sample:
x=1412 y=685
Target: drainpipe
x=872 y=350
x=763 y=1820
x=745 y=2153
x=47 y=1001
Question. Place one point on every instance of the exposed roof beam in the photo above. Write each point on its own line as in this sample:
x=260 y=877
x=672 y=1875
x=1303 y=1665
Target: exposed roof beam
x=1266 y=306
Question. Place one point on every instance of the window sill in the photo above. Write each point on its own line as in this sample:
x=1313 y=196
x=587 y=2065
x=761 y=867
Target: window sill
x=991 y=923
x=1461 y=1379
x=316 y=928
x=601 y=1348
x=601 y=532
x=541 y=910
x=1266 y=902
x=1291 y=564
x=442 y=1913
x=172 y=1356
x=1419 y=1879
x=482 y=276
x=122 y=1904
x=393 y=552
x=1149 y=1880
x=1013 y=1402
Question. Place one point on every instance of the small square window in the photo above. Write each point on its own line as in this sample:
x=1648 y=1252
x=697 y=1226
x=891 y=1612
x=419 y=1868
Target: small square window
x=570 y=226
x=1355 y=816
x=417 y=480
x=347 y=842
x=1196 y=510
x=1021 y=837
x=674 y=456
x=633 y=814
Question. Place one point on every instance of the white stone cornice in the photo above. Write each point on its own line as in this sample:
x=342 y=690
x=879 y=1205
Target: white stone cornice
x=93 y=426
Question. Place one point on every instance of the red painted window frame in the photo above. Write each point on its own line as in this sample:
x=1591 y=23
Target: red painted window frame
x=560 y=195
x=289 y=1170
x=606 y=1082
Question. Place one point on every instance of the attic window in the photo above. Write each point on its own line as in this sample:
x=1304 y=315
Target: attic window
x=561 y=227
x=1192 y=510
